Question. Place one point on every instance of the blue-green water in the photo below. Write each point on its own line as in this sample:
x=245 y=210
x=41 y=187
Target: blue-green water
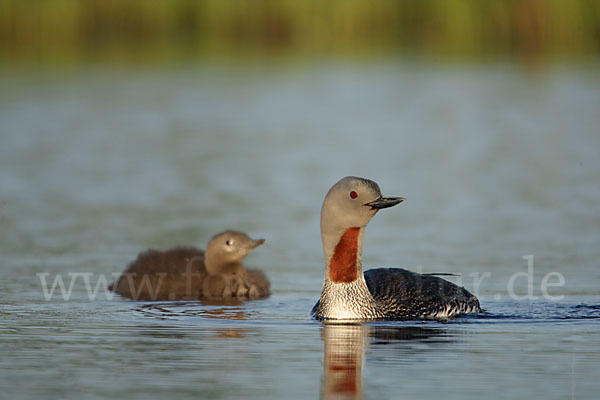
x=497 y=164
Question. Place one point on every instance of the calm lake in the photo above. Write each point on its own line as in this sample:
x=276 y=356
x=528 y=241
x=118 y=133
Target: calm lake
x=499 y=166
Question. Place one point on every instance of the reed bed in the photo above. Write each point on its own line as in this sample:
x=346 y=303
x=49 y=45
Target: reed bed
x=149 y=31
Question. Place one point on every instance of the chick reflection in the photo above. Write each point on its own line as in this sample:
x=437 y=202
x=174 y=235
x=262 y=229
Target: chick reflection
x=182 y=310
x=344 y=349
x=193 y=309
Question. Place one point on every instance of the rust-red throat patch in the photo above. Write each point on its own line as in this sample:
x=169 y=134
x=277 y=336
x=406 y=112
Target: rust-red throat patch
x=342 y=267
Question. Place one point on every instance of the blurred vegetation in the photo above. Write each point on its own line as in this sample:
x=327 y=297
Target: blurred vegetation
x=155 y=31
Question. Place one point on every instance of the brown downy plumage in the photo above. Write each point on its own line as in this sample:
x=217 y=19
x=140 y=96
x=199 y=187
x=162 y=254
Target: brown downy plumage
x=188 y=273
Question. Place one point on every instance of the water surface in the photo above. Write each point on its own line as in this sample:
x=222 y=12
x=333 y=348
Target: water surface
x=496 y=164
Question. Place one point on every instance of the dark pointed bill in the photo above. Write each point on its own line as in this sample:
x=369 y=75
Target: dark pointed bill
x=385 y=202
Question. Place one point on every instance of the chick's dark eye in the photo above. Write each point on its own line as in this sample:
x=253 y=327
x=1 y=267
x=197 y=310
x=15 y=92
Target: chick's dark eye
x=229 y=242
x=353 y=195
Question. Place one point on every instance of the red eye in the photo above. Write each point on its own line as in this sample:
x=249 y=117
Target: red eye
x=353 y=194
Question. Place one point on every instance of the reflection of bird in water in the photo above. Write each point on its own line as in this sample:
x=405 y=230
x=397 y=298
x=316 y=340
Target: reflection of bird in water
x=169 y=310
x=382 y=293
x=185 y=310
x=342 y=361
x=383 y=335
x=344 y=349
x=188 y=273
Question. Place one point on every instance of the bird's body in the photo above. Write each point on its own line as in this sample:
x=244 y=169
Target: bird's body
x=188 y=273
x=399 y=294
x=382 y=293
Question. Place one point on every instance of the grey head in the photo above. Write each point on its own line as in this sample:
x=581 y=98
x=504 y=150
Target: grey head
x=352 y=202
x=226 y=251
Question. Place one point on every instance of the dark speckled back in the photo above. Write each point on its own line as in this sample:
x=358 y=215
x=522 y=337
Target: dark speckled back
x=401 y=294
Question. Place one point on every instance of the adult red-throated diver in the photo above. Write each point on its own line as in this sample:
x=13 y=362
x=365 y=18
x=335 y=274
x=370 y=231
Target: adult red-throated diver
x=188 y=273
x=382 y=293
